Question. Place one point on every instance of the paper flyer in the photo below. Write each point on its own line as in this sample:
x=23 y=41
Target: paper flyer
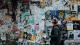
x=77 y=34
x=71 y=35
x=69 y=26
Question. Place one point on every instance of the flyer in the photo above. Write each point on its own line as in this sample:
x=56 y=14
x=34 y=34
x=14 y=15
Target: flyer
x=67 y=14
x=70 y=34
x=61 y=14
x=78 y=8
x=77 y=34
x=76 y=25
x=69 y=26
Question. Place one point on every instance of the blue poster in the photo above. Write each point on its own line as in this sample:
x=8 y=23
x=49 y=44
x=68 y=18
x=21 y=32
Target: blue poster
x=57 y=14
x=61 y=14
x=54 y=13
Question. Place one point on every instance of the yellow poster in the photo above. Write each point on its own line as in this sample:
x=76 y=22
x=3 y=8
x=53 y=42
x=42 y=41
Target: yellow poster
x=42 y=3
x=61 y=13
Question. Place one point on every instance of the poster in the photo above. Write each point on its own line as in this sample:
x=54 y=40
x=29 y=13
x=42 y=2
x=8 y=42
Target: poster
x=48 y=2
x=70 y=34
x=47 y=15
x=67 y=14
x=70 y=15
x=78 y=17
x=78 y=8
x=42 y=3
x=77 y=34
x=31 y=20
x=69 y=26
x=54 y=13
x=73 y=12
x=23 y=16
x=61 y=14
x=76 y=25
